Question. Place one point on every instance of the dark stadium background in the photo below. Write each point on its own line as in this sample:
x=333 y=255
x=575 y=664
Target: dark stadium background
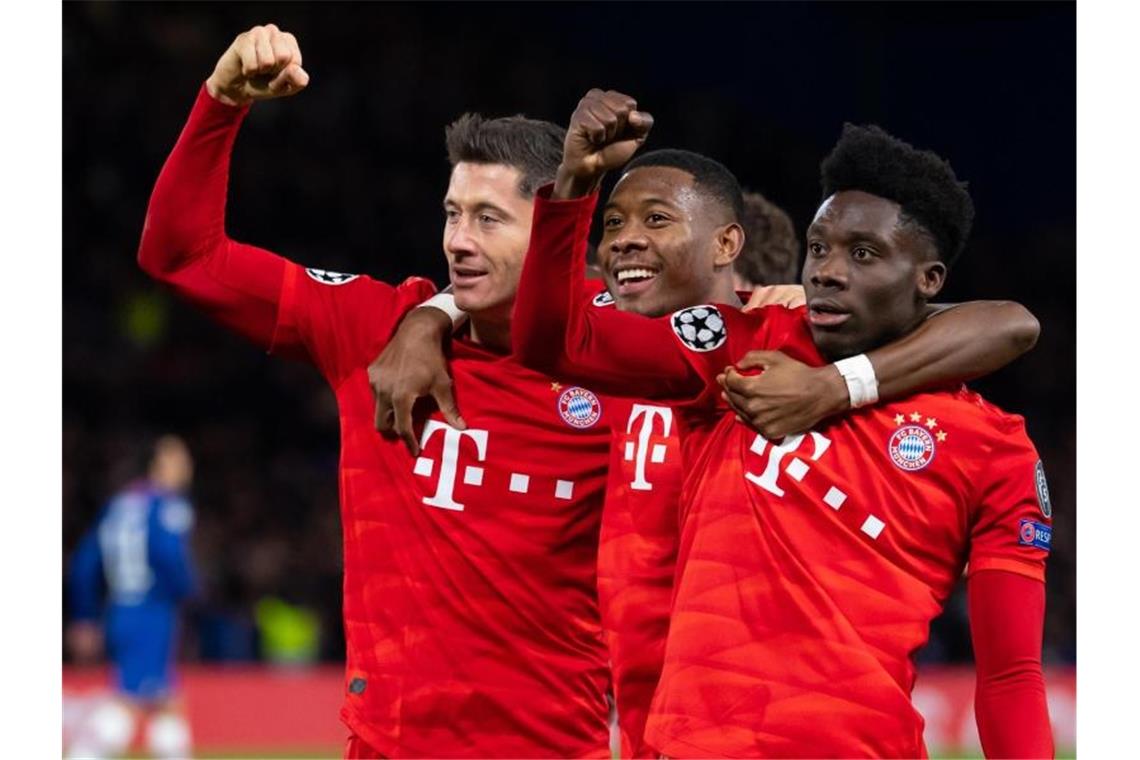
x=349 y=176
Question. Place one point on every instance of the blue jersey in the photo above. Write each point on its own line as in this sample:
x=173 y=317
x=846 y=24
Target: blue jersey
x=139 y=553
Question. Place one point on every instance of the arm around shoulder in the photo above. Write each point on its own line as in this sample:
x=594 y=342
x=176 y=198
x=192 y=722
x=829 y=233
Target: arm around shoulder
x=954 y=344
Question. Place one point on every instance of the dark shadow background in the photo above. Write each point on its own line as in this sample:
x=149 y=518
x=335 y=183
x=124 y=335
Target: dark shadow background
x=350 y=174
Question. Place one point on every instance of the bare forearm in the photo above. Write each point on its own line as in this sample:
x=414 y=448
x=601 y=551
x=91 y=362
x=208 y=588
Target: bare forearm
x=956 y=344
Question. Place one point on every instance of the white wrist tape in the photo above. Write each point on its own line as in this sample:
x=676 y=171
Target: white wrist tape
x=445 y=302
x=862 y=385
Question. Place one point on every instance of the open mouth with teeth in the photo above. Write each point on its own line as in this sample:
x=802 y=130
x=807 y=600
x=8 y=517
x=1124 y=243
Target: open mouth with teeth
x=633 y=280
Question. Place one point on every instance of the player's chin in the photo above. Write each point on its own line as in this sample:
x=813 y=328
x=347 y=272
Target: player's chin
x=470 y=298
x=479 y=299
x=648 y=303
x=834 y=343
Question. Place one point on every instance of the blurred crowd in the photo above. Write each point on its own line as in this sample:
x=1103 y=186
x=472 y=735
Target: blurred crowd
x=349 y=177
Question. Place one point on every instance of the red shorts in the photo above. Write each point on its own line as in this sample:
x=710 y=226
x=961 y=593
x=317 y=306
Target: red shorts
x=357 y=749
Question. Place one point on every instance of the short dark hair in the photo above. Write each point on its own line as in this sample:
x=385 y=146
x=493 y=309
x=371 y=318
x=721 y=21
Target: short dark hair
x=922 y=183
x=709 y=175
x=771 y=251
x=533 y=147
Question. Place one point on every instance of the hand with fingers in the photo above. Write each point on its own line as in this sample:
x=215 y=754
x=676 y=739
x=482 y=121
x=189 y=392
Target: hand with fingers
x=413 y=366
x=786 y=397
x=605 y=131
x=261 y=64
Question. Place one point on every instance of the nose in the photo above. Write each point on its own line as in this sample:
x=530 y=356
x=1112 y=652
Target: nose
x=458 y=240
x=830 y=271
x=628 y=240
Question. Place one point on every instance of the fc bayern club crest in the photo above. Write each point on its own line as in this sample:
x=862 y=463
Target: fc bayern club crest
x=579 y=407
x=911 y=448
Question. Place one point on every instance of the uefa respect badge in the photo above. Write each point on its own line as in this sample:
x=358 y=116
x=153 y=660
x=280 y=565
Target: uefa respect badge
x=1032 y=533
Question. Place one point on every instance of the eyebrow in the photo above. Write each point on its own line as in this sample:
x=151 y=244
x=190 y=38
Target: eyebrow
x=819 y=228
x=651 y=201
x=482 y=206
x=870 y=237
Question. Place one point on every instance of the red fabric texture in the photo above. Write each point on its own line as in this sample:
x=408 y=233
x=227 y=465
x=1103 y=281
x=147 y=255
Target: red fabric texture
x=356 y=748
x=1006 y=610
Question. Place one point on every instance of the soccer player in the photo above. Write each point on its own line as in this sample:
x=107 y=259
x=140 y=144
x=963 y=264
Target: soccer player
x=653 y=273
x=138 y=550
x=470 y=607
x=809 y=566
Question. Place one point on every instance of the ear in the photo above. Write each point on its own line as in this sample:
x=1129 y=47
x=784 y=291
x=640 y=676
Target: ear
x=930 y=276
x=729 y=244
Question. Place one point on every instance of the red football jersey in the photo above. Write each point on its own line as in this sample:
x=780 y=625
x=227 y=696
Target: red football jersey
x=809 y=568
x=637 y=552
x=469 y=592
x=637 y=557
x=470 y=599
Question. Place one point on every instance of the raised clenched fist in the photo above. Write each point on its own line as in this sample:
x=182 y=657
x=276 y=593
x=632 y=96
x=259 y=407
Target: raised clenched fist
x=604 y=133
x=261 y=64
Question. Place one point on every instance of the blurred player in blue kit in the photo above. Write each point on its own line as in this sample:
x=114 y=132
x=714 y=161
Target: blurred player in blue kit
x=129 y=575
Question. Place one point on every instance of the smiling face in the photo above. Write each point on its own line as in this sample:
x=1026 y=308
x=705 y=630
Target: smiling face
x=868 y=274
x=485 y=237
x=665 y=245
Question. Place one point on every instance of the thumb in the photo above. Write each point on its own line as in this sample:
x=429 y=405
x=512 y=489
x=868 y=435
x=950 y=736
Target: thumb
x=441 y=392
x=640 y=122
x=291 y=79
x=616 y=154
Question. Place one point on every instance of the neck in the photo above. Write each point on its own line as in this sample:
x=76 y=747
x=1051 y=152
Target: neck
x=494 y=334
x=724 y=289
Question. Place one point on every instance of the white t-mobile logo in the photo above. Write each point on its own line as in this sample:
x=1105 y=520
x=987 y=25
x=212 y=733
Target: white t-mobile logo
x=776 y=453
x=444 y=496
x=639 y=452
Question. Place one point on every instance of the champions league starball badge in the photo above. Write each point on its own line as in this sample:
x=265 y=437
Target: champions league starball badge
x=911 y=448
x=1042 y=489
x=579 y=407
x=700 y=328
x=325 y=277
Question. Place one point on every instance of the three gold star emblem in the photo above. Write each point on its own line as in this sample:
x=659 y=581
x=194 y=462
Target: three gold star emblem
x=930 y=423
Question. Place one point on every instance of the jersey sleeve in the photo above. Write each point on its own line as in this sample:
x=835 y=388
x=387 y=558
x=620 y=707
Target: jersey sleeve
x=559 y=329
x=172 y=522
x=1007 y=615
x=340 y=321
x=1011 y=526
x=303 y=313
x=86 y=576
